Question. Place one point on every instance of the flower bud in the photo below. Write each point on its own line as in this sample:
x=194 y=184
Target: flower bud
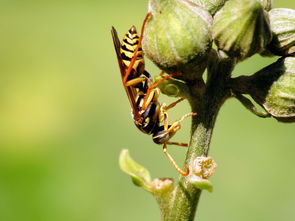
x=168 y=87
x=241 y=28
x=211 y=6
x=162 y=186
x=273 y=88
x=177 y=37
x=204 y=167
x=173 y=87
x=282 y=23
x=266 y=4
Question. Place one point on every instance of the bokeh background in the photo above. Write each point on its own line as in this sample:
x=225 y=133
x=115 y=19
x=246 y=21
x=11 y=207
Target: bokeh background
x=64 y=118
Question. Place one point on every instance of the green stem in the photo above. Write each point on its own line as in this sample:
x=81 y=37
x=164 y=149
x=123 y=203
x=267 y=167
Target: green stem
x=186 y=197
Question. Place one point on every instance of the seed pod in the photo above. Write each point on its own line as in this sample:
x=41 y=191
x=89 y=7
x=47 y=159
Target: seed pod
x=241 y=28
x=177 y=37
x=273 y=88
x=212 y=6
x=266 y=4
x=282 y=23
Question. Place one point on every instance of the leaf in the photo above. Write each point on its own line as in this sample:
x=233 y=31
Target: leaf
x=200 y=183
x=140 y=175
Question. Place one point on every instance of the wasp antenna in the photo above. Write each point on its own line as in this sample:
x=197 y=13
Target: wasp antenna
x=144 y=22
x=183 y=173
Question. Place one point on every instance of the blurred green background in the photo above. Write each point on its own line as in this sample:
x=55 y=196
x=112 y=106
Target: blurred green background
x=65 y=117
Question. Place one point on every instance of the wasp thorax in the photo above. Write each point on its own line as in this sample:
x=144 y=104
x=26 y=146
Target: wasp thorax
x=282 y=23
x=241 y=28
x=177 y=37
x=211 y=6
x=273 y=88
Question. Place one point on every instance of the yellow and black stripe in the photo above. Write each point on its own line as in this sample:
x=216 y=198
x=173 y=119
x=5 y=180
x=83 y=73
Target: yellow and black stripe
x=127 y=50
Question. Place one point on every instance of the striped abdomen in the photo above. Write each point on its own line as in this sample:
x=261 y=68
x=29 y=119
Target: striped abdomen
x=127 y=50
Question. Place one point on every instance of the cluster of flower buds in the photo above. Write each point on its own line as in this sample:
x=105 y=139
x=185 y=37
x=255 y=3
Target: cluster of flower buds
x=179 y=38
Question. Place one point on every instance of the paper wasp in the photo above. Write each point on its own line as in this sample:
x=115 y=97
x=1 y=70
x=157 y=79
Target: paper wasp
x=148 y=114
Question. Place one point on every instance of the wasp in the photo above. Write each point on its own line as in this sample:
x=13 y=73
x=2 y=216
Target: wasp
x=149 y=115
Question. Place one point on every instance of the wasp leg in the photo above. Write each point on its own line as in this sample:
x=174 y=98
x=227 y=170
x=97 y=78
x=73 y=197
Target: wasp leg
x=177 y=144
x=174 y=103
x=162 y=73
x=136 y=50
x=151 y=96
x=175 y=126
x=135 y=81
x=166 y=125
x=163 y=117
x=184 y=173
x=155 y=85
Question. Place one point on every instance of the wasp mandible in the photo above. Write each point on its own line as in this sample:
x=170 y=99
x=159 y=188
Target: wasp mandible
x=148 y=114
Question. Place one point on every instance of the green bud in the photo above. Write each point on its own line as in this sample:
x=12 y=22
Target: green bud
x=211 y=6
x=140 y=176
x=168 y=87
x=177 y=37
x=273 y=88
x=170 y=90
x=173 y=87
x=241 y=28
x=162 y=190
x=162 y=186
x=266 y=4
x=282 y=23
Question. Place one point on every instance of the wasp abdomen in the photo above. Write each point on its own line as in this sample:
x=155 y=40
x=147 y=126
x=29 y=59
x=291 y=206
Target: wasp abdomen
x=128 y=46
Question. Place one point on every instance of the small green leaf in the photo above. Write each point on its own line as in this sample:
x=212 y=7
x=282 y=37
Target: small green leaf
x=140 y=175
x=200 y=183
x=251 y=107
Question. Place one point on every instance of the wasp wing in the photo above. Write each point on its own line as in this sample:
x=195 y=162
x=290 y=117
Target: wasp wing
x=130 y=91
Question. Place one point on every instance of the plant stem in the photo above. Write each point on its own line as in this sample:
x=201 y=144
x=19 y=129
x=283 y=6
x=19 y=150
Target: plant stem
x=185 y=199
